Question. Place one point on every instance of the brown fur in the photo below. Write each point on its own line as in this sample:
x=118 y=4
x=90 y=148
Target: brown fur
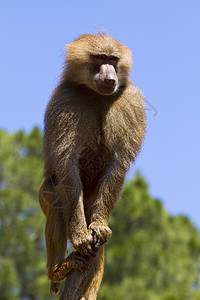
x=90 y=140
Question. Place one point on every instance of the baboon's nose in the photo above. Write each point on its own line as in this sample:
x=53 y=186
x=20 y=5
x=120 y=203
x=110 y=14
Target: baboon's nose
x=109 y=82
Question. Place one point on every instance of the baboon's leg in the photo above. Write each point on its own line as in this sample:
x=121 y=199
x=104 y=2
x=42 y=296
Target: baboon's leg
x=53 y=204
x=55 y=230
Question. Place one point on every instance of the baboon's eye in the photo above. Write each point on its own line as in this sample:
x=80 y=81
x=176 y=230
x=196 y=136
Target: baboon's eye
x=101 y=56
x=104 y=58
x=100 y=59
x=113 y=59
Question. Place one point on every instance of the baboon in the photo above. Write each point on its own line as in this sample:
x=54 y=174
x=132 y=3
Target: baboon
x=94 y=128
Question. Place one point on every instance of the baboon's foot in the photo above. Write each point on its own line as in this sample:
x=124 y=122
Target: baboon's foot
x=75 y=261
x=54 y=288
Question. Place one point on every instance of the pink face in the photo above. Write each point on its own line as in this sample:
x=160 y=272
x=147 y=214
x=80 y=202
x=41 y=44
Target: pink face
x=105 y=74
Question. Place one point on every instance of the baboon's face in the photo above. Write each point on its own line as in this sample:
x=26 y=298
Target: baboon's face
x=104 y=72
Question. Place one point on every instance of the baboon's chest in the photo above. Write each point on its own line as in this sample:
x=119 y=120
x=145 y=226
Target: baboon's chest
x=92 y=163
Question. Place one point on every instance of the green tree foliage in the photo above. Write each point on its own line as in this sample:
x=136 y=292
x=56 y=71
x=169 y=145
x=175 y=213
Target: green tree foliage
x=151 y=255
x=22 y=256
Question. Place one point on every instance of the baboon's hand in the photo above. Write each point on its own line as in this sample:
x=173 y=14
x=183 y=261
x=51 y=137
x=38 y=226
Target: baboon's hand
x=101 y=233
x=82 y=241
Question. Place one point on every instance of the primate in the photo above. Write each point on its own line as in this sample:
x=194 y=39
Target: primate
x=94 y=128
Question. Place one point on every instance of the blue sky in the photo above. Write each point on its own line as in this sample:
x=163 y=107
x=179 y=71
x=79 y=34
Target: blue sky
x=164 y=37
